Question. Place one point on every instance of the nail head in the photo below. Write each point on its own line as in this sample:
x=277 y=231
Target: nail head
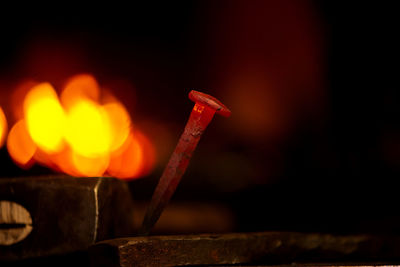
x=209 y=101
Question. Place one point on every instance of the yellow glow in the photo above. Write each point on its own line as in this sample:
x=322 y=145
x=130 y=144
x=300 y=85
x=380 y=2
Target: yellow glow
x=3 y=127
x=86 y=133
x=120 y=124
x=90 y=167
x=78 y=87
x=88 y=129
x=45 y=117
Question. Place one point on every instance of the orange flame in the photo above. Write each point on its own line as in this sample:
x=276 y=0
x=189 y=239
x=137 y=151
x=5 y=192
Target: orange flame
x=76 y=134
x=20 y=144
x=3 y=127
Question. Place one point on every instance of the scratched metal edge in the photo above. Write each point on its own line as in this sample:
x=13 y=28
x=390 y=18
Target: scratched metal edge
x=96 y=204
x=115 y=210
x=247 y=248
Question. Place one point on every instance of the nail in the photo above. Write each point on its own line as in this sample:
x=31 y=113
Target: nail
x=202 y=113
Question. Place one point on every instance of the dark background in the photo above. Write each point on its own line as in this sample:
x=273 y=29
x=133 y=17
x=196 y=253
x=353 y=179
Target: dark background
x=313 y=143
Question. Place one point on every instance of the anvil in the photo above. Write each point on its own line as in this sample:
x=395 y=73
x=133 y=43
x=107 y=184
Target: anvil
x=44 y=216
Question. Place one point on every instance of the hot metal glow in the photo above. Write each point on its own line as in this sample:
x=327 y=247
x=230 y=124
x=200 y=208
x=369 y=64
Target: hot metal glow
x=3 y=127
x=77 y=134
x=20 y=145
x=88 y=130
x=45 y=117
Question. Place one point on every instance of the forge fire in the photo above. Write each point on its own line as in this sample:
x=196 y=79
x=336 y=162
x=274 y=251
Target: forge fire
x=82 y=131
x=305 y=170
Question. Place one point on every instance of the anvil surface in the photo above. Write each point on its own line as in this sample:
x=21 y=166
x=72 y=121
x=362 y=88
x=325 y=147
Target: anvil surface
x=262 y=248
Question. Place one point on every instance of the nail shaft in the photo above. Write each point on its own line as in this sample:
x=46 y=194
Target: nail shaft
x=199 y=119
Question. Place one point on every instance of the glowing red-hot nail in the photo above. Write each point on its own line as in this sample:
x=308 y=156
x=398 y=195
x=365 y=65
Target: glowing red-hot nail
x=203 y=112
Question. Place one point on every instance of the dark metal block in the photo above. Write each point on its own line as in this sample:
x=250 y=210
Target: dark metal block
x=67 y=214
x=245 y=248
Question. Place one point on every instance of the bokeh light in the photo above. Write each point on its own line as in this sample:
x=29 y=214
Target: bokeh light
x=77 y=134
x=3 y=127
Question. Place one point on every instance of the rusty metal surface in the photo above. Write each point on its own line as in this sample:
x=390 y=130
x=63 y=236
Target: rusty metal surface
x=240 y=248
x=68 y=214
x=202 y=113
